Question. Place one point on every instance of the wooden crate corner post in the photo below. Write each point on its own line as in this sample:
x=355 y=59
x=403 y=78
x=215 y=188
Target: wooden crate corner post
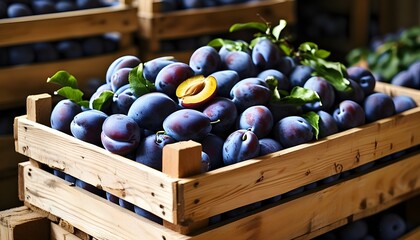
x=182 y=159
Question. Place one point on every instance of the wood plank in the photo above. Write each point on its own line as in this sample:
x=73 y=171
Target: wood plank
x=48 y=27
x=253 y=180
x=58 y=233
x=301 y=216
x=20 y=222
x=143 y=186
x=213 y=20
x=34 y=76
x=412 y=235
x=86 y=211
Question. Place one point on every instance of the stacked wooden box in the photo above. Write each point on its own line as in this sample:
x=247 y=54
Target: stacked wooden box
x=17 y=82
x=186 y=199
x=157 y=26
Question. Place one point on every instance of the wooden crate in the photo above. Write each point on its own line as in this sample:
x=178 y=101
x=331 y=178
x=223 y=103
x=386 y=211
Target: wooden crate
x=156 y=26
x=17 y=82
x=185 y=199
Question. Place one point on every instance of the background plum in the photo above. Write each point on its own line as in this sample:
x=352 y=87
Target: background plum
x=63 y=114
x=43 y=6
x=21 y=54
x=378 y=106
x=257 y=119
x=18 y=10
x=405 y=78
x=143 y=110
x=403 y=103
x=87 y=126
x=45 y=51
x=93 y=45
x=187 y=124
x=239 y=146
x=69 y=48
x=64 y=6
x=354 y=230
x=349 y=114
x=120 y=134
x=293 y=130
x=391 y=226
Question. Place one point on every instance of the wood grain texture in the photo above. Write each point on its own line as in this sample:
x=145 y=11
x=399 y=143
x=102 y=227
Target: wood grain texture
x=49 y=27
x=89 y=213
x=136 y=183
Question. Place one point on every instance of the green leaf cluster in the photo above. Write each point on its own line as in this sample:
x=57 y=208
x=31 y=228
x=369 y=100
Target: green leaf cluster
x=391 y=56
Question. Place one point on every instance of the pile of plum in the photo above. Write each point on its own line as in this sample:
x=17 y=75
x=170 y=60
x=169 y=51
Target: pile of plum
x=239 y=104
x=21 y=8
x=40 y=52
x=175 y=5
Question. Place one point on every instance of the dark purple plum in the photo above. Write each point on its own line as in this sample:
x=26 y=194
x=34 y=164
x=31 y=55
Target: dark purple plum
x=87 y=4
x=226 y=79
x=353 y=230
x=43 y=6
x=325 y=92
x=265 y=54
x=378 y=106
x=152 y=67
x=106 y=107
x=293 y=130
x=69 y=49
x=146 y=214
x=169 y=78
x=18 y=10
x=299 y=75
x=119 y=78
x=330 y=179
x=293 y=192
x=414 y=68
x=224 y=111
x=213 y=145
x=403 y=103
x=93 y=46
x=63 y=114
x=349 y=114
x=21 y=54
x=391 y=226
x=151 y=109
x=363 y=77
x=122 y=100
x=45 y=52
x=126 y=61
x=405 y=78
x=187 y=124
x=286 y=65
x=281 y=110
x=250 y=92
x=355 y=94
x=90 y=188
x=241 y=210
x=120 y=134
x=124 y=204
x=87 y=126
x=111 y=41
x=149 y=151
x=241 y=62
x=327 y=125
x=269 y=145
x=205 y=61
x=239 y=146
x=205 y=162
x=64 y=6
x=257 y=119
x=282 y=80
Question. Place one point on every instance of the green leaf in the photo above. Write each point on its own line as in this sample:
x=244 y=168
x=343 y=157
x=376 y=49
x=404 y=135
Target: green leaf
x=300 y=96
x=70 y=93
x=64 y=79
x=138 y=83
x=308 y=47
x=322 y=53
x=278 y=29
x=286 y=49
x=313 y=119
x=250 y=25
x=216 y=43
x=102 y=99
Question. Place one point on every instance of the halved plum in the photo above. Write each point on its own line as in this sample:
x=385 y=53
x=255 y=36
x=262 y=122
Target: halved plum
x=195 y=91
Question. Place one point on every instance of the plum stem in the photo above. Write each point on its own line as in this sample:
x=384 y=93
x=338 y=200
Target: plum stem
x=214 y=122
x=157 y=135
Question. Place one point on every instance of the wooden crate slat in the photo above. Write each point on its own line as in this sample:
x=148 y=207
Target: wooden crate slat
x=16 y=83
x=141 y=185
x=412 y=235
x=85 y=211
x=301 y=216
x=48 y=27
x=260 y=178
x=194 y=22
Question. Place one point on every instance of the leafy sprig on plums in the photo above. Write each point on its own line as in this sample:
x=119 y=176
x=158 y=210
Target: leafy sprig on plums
x=69 y=87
